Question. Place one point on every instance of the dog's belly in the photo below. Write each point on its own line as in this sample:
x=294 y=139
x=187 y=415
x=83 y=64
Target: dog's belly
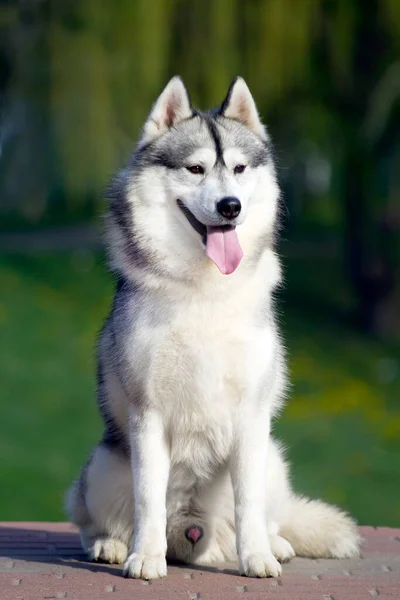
x=201 y=448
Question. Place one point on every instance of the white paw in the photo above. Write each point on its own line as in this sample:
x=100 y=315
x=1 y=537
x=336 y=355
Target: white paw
x=281 y=548
x=260 y=565
x=142 y=566
x=108 y=549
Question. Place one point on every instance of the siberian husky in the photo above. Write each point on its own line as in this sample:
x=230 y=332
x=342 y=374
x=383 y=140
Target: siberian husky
x=191 y=369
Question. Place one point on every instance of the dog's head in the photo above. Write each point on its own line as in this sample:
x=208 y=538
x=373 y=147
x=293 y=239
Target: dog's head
x=201 y=187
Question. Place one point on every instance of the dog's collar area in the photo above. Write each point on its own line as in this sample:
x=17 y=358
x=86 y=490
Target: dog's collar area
x=195 y=223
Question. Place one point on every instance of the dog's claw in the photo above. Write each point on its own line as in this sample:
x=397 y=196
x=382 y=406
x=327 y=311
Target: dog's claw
x=260 y=565
x=140 y=566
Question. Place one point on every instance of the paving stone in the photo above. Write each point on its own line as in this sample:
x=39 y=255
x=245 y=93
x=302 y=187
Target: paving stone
x=44 y=561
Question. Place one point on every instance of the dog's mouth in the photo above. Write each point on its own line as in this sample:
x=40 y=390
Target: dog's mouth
x=195 y=223
x=221 y=242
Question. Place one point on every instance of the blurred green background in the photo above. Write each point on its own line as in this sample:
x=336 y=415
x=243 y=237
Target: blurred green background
x=76 y=82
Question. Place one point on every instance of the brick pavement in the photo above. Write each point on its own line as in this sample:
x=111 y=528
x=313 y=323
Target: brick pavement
x=43 y=561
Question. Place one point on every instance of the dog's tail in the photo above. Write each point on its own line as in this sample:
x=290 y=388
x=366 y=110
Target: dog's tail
x=319 y=530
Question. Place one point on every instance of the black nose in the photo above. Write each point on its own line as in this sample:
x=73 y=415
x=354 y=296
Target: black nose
x=229 y=207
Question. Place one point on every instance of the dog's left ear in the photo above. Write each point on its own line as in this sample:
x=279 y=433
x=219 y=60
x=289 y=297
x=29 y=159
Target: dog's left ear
x=239 y=105
x=172 y=106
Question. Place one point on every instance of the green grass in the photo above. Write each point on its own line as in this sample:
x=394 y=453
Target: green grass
x=341 y=424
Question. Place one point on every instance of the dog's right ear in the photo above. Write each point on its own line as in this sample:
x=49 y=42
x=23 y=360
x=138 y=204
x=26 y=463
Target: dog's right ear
x=172 y=106
x=239 y=105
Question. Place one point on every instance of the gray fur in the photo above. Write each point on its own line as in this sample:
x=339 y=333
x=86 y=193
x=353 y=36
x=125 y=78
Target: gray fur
x=191 y=367
x=202 y=130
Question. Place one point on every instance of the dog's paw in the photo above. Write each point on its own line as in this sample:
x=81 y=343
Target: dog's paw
x=109 y=550
x=281 y=548
x=260 y=565
x=141 y=566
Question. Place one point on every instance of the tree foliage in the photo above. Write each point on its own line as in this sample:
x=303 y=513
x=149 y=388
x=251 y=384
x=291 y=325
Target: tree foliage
x=77 y=79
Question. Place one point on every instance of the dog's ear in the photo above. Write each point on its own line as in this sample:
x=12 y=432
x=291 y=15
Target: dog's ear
x=239 y=105
x=172 y=106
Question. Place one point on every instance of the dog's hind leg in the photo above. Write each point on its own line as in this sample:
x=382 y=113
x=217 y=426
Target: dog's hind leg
x=100 y=503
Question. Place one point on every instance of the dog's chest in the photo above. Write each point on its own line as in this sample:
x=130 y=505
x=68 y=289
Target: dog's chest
x=200 y=370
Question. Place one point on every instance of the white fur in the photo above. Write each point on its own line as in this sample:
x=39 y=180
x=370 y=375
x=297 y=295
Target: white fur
x=150 y=472
x=204 y=351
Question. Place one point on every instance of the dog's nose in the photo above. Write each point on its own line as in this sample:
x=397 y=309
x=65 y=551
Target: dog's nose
x=229 y=207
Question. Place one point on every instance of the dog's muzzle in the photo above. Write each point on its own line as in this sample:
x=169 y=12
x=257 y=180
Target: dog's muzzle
x=195 y=223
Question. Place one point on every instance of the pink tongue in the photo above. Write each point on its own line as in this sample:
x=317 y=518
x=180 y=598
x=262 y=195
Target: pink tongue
x=223 y=248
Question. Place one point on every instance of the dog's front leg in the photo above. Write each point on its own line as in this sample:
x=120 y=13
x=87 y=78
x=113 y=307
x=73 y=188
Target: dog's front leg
x=248 y=470
x=150 y=469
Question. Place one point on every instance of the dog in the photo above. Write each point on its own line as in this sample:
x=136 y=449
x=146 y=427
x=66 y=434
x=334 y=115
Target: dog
x=191 y=367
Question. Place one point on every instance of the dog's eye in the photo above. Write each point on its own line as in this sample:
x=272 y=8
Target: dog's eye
x=239 y=169
x=196 y=169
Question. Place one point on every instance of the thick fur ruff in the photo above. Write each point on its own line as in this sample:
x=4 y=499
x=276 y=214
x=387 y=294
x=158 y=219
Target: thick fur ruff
x=191 y=368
